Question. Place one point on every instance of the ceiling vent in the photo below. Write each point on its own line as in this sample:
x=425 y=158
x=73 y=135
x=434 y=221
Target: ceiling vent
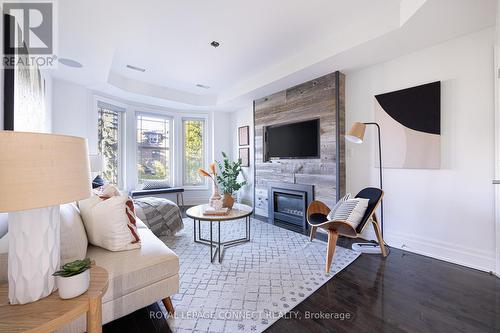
x=199 y=85
x=136 y=68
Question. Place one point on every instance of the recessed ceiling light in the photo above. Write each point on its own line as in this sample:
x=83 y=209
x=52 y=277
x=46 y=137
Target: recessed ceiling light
x=215 y=44
x=136 y=68
x=199 y=85
x=70 y=62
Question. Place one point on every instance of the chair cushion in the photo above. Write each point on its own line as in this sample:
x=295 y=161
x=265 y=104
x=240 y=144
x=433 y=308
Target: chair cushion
x=155 y=184
x=135 y=269
x=74 y=241
x=317 y=218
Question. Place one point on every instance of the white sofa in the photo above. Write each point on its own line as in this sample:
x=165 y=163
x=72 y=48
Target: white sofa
x=137 y=278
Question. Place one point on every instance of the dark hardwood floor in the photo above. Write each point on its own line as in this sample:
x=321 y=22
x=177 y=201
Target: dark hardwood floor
x=404 y=292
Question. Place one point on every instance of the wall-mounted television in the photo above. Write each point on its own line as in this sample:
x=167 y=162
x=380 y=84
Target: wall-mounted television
x=299 y=140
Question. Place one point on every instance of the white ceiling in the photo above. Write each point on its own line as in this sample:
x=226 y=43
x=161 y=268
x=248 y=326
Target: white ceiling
x=265 y=45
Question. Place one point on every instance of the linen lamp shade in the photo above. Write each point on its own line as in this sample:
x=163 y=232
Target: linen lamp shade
x=37 y=173
x=357 y=132
x=41 y=170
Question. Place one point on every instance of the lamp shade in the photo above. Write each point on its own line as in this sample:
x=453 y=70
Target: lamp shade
x=357 y=133
x=96 y=163
x=42 y=170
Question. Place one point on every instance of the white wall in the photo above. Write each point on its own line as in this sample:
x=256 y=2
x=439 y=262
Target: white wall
x=448 y=213
x=240 y=118
x=69 y=108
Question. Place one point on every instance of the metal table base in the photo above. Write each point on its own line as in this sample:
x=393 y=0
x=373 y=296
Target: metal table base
x=218 y=245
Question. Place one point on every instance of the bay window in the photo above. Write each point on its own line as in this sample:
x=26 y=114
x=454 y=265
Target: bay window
x=109 y=141
x=153 y=147
x=193 y=145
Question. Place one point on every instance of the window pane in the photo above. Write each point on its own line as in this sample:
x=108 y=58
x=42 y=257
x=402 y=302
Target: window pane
x=194 y=154
x=108 y=138
x=153 y=148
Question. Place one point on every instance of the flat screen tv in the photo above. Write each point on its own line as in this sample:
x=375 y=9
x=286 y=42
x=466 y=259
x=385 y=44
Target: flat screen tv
x=292 y=140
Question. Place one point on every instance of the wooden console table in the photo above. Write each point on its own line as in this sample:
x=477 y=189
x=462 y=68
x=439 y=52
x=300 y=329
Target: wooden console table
x=51 y=313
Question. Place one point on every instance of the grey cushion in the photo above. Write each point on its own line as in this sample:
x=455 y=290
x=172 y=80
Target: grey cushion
x=153 y=184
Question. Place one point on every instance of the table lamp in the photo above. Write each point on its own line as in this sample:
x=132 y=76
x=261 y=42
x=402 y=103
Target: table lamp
x=38 y=172
x=356 y=135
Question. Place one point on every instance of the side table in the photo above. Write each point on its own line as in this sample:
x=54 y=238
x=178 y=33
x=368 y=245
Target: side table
x=51 y=313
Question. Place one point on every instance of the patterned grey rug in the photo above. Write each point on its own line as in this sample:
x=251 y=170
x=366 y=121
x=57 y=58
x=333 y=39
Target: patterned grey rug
x=256 y=283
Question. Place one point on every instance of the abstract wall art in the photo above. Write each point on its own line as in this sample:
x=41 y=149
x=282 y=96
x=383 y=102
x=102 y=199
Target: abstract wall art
x=410 y=122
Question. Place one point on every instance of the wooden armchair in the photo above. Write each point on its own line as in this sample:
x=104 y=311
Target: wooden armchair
x=317 y=213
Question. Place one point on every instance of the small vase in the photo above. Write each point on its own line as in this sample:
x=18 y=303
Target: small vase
x=228 y=201
x=73 y=286
x=215 y=199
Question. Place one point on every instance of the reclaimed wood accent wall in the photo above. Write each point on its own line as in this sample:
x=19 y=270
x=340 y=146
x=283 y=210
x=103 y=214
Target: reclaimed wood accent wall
x=322 y=98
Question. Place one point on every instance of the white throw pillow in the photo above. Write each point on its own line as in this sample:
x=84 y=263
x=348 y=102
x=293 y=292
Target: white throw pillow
x=74 y=240
x=339 y=203
x=352 y=211
x=110 y=222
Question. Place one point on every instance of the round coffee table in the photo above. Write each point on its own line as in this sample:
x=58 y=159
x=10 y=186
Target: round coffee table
x=239 y=211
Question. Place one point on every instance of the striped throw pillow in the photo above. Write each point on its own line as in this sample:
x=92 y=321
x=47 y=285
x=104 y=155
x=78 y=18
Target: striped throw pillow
x=339 y=203
x=352 y=211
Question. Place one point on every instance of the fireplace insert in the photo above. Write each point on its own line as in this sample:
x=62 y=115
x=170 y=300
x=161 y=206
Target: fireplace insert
x=288 y=203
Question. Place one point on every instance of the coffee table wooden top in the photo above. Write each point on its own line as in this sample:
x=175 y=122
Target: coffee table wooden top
x=51 y=312
x=239 y=211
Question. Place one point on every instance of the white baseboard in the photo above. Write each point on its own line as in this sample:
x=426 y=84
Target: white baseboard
x=464 y=256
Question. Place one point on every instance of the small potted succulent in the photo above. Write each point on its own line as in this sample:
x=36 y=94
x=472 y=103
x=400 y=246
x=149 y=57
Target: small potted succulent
x=227 y=179
x=73 y=278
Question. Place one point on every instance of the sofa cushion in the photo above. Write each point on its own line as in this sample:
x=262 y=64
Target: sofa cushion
x=140 y=224
x=135 y=269
x=74 y=241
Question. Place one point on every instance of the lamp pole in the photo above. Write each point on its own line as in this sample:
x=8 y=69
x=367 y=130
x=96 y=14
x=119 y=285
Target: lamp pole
x=380 y=173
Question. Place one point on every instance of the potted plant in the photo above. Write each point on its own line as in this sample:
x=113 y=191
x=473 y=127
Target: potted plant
x=227 y=179
x=73 y=278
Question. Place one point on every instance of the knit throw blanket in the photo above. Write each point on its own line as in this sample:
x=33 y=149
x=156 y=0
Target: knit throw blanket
x=162 y=216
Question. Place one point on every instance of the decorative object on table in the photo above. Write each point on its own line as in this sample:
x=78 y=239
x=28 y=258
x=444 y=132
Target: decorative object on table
x=244 y=156
x=73 y=278
x=37 y=173
x=356 y=135
x=162 y=216
x=96 y=167
x=411 y=126
x=349 y=219
x=210 y=211
x=52 y=313
x=244 y=135
x=215 y=200
x=227 y=179
x=119 y=233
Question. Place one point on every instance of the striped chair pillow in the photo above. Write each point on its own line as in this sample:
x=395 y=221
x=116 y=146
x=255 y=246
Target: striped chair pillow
x=352 y=211
x=339 y=203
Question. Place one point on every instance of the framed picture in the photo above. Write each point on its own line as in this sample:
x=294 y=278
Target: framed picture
x=244 y=155
x=243 y=136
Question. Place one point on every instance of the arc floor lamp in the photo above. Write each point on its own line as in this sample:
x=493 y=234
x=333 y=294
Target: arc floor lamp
x=356 y=135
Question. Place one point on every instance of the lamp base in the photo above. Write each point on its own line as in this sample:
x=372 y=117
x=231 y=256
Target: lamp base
x=372 y=248
x=34 y=253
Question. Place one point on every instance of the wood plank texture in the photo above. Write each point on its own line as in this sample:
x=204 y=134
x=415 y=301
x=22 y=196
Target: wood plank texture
x=310 y=100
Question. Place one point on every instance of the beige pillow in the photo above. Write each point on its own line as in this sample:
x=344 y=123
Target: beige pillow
x=74 y=240
x=110 y=222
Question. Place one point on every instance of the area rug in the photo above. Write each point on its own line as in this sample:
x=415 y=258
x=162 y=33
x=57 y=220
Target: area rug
x=257 y=282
